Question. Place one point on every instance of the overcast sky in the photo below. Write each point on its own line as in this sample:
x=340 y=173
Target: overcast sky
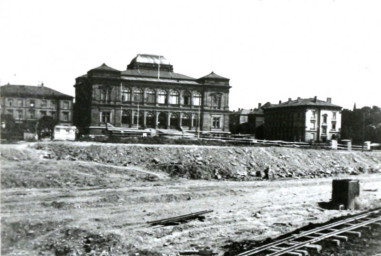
x=271 y=50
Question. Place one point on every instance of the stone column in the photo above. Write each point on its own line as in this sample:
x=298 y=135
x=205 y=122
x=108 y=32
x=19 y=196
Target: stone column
x=156 y=119
x=168 y=120
x=144 y=118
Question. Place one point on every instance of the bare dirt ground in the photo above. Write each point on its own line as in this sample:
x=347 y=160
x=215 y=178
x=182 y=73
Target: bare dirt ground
x=64 y=207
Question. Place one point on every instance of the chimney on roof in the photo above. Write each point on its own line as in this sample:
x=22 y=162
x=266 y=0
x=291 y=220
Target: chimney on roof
x=289 y=99
x=280 y=102
x=329 y=100
x=315 y=99
x=259 y=105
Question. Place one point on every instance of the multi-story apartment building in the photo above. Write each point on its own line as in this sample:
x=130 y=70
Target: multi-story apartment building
x=302 y=120
x=27 y=103
x=148 y=94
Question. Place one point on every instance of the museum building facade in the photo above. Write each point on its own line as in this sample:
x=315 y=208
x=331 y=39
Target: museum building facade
x=148 y=94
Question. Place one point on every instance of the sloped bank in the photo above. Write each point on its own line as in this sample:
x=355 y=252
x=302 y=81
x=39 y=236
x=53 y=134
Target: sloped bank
x=234 y=163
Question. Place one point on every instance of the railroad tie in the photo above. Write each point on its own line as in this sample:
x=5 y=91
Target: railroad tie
x=349 y=232
x=316 y=247
x=278 y=249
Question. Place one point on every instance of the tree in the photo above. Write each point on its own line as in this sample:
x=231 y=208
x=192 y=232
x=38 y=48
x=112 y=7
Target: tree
x=361 y=124
x=46 y=126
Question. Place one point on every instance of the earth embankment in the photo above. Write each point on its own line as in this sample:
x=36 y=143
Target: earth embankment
x=228 y=163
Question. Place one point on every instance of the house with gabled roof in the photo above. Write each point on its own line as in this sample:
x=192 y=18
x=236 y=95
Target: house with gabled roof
x=27 y=103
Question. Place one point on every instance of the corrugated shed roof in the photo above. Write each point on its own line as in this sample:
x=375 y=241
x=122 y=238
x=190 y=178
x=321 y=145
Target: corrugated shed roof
x=30 y=90
x=308 y=102
x=151 y=59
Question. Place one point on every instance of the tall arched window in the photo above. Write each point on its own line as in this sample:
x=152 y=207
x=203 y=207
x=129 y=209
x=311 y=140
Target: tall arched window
x=174 y=97
x=138 y=95
x=126 y=94
x=162 y=97
x=150 y=96
x=186 y=98
x=197 y=99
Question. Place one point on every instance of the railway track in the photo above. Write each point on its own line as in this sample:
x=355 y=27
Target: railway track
x=335 y=232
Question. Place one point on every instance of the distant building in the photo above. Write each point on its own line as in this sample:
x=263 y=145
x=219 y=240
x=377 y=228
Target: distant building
x=302 y=120
x=247 y=121
x=148 y=94
x=27 y=104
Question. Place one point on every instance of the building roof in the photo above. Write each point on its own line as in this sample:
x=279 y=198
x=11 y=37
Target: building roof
x=155 y=74
x=306 y=102
x=31 y=91
x=213 y=75
x=150 y=59
x=104 y=67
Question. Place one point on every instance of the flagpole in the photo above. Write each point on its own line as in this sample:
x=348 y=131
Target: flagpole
x=158 y=71
x=121 y=104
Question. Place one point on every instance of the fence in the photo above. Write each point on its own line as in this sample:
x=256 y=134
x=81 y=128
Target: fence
x=334 y=145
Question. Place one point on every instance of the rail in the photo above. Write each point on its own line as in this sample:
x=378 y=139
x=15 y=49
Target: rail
x=292 y=245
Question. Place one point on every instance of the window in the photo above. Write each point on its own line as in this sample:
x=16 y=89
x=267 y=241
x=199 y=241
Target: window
x=105 y=117
x=313 y=117
x=334 y=125
x=10 y=102
x=150 y=96
x=65 y=116
x=138 y=95
x=313 y=125
x=44 y=103
x=105 y=94
x=65 y=104
x=126 y=94
x=174 y=97
x=334 y=116
x=325 y=118
x=19 y=114
x=195 y=121
x=53 y=114
x=324 y=130
x=216 y=101
x=216 y=122
x=31 y=103
x=20 y=102
x=32 y=114
x=126 y=118
x=162 y=97
x=10 y=112
x=43 y=113
x=197 y=99
x=186 y=99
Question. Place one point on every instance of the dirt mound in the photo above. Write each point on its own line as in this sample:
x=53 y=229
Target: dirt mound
x=67 y=174
x=232 y=163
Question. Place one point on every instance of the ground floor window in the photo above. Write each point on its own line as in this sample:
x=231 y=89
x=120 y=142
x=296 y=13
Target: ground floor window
x=105 y=117
x=126 y=118
x=216 y=122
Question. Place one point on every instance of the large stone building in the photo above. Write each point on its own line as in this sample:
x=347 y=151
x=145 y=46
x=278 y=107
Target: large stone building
x=302 y=120
x=148 y=94
x=27 y=104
